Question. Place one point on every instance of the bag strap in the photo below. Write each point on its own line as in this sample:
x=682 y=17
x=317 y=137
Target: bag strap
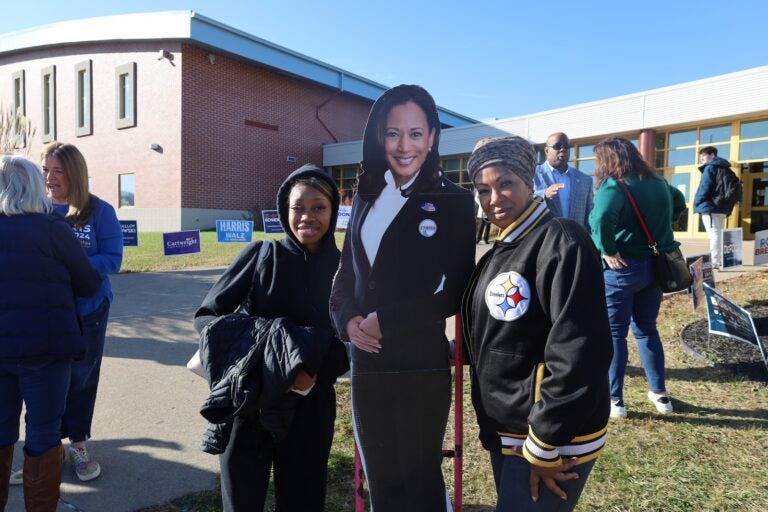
x=640 y=219
x=266 y=245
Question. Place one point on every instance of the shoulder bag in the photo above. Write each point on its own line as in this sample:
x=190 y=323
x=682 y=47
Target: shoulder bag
x=671 y=271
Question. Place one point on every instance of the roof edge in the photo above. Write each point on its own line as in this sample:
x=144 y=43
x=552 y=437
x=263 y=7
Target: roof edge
x=192 y=27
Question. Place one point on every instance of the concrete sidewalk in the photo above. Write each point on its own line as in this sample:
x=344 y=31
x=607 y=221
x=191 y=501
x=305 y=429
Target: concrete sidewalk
x=147 y=427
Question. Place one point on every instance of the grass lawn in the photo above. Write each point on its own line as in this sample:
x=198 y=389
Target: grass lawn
x=707 y=456
x=148 y=255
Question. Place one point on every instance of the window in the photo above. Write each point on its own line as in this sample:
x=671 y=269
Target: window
x=125 y=96
x=19 y=104
x=714 y=134
x=753 y=143
x=719 y=137
x=660 y=149
x=48 y=88
x=584 y=158
x=127 y=190
x=682 y=148
x=455 y=170
x=19 y=107
x=83 y=99
x=346 y=180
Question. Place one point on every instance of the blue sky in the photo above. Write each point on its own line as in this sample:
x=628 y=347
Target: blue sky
x=484 y=59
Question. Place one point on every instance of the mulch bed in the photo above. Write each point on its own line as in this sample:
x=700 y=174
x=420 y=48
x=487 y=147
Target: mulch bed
x=742 y=358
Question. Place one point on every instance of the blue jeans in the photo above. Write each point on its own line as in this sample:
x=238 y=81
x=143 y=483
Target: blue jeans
x=76 y=424
x=634 y=298
x=512 y=477
x=43 y=387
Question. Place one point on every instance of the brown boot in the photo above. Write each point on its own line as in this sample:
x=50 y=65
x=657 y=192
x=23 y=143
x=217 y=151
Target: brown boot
x=42 y=478
x=6 y=458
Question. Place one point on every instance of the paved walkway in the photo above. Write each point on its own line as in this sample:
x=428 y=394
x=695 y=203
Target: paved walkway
x=147 y=426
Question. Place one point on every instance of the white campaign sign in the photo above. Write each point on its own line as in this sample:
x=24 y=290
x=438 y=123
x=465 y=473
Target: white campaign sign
x=761 y=247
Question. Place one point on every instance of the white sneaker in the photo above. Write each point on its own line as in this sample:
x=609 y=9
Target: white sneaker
x=618 y=410
x=662 y=402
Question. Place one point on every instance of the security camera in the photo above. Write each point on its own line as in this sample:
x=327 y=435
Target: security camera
x=164 y=54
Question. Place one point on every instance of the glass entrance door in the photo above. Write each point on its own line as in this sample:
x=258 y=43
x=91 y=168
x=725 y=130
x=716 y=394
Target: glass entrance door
x=755 y=201
x=685 y=179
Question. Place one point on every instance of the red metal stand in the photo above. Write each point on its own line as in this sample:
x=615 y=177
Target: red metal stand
x=458 y=429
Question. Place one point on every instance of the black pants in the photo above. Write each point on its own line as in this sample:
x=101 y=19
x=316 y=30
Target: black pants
x=300 y=459
x=400 y=423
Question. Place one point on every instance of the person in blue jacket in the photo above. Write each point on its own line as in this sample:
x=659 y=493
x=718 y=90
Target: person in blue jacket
x=712 y=216
x=96 y=227
x=42 y=268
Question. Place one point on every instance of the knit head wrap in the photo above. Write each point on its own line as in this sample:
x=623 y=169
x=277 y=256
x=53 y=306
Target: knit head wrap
x=512 y=152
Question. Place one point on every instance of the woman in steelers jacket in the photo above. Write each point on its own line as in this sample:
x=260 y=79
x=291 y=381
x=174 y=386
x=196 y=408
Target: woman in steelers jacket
x=538 y=338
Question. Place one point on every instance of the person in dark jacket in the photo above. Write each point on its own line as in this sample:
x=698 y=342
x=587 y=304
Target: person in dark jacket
x=290 y=278
x=42 y=269
x=407 y=256
x=632 y=293
x=538 y=339
x=712 y=216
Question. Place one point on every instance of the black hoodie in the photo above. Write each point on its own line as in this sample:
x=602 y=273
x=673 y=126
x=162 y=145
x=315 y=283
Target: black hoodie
x=286 y=280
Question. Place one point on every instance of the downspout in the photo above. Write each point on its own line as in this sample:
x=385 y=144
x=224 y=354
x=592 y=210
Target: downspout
x=319 y=119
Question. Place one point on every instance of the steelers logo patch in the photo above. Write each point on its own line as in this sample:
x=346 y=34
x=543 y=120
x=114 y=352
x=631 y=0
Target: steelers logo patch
x=508 y=296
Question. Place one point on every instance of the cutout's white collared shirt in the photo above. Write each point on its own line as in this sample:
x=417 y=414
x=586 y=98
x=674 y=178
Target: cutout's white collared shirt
x=382 y=213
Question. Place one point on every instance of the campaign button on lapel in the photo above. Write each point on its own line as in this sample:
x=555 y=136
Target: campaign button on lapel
x=427 y=228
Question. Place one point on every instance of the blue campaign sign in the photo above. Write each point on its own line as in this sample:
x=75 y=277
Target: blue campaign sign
x=234 y=231
x=726 y=318
x=130 y=233
x=181 y=242
x=271 y=221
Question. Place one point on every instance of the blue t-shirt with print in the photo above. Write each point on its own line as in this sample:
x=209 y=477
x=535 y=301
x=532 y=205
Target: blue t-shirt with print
x=102 y=239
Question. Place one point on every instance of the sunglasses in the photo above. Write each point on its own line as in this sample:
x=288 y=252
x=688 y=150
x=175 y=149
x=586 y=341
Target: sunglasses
x=559 y=146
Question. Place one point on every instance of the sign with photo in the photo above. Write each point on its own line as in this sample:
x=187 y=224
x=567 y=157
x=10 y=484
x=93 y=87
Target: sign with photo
x=271 y=221
x=732 y=247
x=761 y=247
x=181 y=242
x=234 y=231
x=727 y=318
x=130 y=233
x=706 y=268
x=697 y=283
x=342 y=221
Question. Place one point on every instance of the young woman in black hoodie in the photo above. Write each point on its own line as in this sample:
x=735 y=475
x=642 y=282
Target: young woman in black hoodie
x=291 y=278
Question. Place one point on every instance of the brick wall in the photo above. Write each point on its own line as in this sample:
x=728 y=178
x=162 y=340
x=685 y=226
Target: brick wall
x=228 y=164
x=109 y=151
x=197 y=113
